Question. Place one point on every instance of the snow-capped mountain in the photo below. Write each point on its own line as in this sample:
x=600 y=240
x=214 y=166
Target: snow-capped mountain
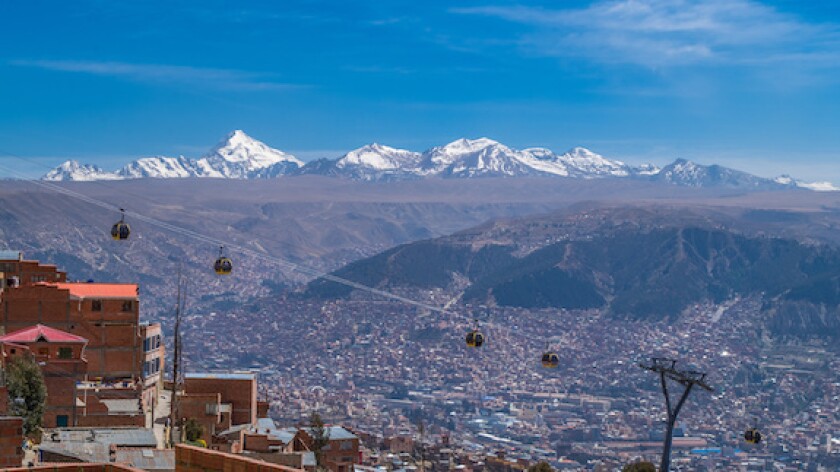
x=586 y=163
x=473 y=157
x=238 y=156
x=815 y=186
x=159 y=167
x=689 y=174
x=73 y=170
x=370 y=162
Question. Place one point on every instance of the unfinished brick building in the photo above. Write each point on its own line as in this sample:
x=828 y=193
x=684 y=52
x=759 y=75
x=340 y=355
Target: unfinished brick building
x=121 y=351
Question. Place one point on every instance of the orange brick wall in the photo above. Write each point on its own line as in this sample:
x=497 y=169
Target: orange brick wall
x=241 y=393
x=11 y=438
x=29 y=272
x=78 y=467
x=196 y=459
x=114 y=349
x=194 y=406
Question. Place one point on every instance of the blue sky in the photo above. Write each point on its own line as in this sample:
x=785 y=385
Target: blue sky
x=752 y=85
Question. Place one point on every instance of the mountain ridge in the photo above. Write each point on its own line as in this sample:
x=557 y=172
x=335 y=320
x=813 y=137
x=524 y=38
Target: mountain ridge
x=632 y=263
x=240 y=156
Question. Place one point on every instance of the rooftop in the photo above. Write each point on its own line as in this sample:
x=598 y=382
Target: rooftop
x=41 y=333
x=99 y=290
x=10 y=255
x=221 y=375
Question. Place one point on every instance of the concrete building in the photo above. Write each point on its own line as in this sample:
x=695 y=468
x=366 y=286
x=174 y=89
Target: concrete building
x=153 y=356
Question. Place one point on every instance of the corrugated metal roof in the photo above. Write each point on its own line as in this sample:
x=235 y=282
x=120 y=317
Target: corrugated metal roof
x=335 y=432
x=147 y=459
x=309 y=459
x=120 y=436
x=84 y=451
x=6 y=255
x=122 y=405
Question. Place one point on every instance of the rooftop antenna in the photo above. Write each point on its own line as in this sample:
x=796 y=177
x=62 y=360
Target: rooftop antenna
x=666 y=368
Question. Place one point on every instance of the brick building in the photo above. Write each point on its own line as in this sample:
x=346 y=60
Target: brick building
x=341 y=451
x=239 y=390
x=11 y=439
x=121 y=352
x=62 y=361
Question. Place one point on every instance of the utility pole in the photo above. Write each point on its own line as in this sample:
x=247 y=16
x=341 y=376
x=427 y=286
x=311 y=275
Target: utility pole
x=176 y=358
x=666 y=368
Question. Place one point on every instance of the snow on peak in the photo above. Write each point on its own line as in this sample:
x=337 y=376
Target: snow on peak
x=469 y=145
x=818 y=186
x=587 y=164
x=158 y=167
x=237 y=156
x=73 y=170
x=376 y=156
x=468 y=157
x=241 y=156
x=814 y=186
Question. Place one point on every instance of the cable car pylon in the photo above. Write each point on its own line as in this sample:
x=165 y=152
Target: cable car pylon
x=666 y=368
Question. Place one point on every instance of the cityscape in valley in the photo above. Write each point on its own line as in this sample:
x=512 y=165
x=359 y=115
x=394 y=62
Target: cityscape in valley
x=376 y=348
x=475 y=236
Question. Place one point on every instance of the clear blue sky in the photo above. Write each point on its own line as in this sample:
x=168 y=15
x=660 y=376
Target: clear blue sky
x=752 y=85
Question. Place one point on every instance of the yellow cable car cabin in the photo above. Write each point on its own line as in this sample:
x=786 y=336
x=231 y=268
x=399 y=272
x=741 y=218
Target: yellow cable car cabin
x=752 y=436
x=223 y=265
x=474 y=338
x=550 y=360
x=120 y=231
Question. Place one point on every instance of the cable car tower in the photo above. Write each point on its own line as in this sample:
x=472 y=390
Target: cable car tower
x=688 y=379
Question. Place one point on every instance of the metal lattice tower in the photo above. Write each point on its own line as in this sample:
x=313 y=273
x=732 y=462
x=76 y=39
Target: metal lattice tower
x=666 y=368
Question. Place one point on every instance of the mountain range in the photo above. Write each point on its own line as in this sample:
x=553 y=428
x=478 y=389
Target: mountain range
x=629 y=262
x=240 y=156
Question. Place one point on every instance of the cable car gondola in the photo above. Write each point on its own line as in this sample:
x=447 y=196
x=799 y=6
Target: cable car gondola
x=752 y=436
x=550 y=359
x=223 y=265
x=474 y=338
x=121 y=231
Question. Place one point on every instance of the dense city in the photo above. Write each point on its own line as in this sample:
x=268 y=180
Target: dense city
x=385 y=368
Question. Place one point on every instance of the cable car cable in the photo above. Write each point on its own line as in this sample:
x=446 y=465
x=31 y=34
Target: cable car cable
x=257 y=254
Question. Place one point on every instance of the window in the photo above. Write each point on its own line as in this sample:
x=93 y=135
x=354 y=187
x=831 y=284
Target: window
x=346 y=445
x=65 y=353
x=127 y=306
x=96 y=305
x=43 y=351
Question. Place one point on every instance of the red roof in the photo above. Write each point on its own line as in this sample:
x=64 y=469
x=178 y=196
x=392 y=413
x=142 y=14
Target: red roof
x=37 y=332
x=94 y=290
